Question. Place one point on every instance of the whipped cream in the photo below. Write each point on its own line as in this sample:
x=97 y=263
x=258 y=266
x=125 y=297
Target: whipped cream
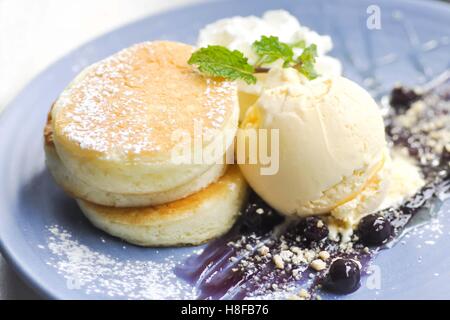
x=239 y=33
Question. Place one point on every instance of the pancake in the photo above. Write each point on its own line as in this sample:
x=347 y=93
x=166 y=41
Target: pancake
x=190 y=221
x=114 y=125
x=79 y=189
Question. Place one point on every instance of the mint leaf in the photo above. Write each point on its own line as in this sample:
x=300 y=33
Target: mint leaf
x=305 y=62
x=218 y=61
x=270 y=49
x=307 y=69
x=309 y=53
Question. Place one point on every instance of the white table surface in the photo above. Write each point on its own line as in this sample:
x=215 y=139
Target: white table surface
x=33 y=34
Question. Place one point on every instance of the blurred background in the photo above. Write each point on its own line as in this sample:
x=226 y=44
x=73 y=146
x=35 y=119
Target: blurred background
x=34 y=33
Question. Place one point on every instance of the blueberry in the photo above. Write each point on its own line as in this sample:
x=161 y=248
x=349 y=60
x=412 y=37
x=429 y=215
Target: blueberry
x=375 y=230
x=314 y=229
x=344 y=276
x=259 y=223
x=445 y=158
x=401 y=98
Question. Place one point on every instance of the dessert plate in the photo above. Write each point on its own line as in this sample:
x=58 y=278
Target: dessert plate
x=53 y=247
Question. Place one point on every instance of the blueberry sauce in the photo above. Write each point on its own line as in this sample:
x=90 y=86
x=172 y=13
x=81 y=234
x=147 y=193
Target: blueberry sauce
x=266 y=253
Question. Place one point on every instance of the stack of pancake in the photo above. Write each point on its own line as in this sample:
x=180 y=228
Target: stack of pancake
x=109 y=143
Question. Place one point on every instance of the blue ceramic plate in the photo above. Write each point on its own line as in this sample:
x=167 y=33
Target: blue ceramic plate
x=53 y=247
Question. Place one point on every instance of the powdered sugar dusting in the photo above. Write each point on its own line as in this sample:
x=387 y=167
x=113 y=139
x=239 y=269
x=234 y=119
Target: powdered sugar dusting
x=132 y=101
x=96 y=273
x=217 y=99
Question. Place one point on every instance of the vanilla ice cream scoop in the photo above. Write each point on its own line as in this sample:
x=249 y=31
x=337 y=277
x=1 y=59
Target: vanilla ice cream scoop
x=332 y=148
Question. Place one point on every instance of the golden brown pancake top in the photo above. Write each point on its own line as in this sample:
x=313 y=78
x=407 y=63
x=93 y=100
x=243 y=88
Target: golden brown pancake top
x=131 y=103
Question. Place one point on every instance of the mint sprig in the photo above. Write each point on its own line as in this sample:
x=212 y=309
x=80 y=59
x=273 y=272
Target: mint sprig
x=218 y=61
